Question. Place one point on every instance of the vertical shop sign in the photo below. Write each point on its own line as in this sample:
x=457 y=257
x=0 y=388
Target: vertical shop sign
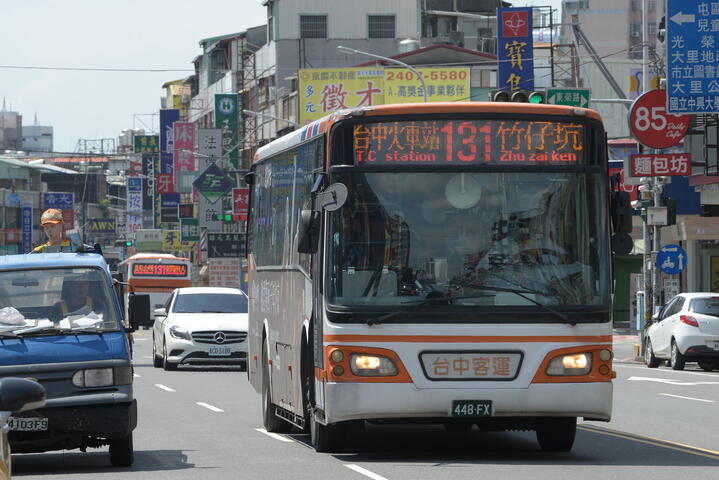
x=515 y=52
x=184 y=145
x=226 y=119
x=26 y=229
x=168 y=116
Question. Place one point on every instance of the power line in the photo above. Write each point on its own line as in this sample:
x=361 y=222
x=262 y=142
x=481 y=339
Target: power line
x=90 y=69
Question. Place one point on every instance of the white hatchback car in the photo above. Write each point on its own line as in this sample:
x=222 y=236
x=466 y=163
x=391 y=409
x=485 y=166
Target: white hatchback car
x=686 y=330
x=201 y=325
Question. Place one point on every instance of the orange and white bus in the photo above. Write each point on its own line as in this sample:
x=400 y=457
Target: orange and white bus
x=443 y=263
x=156 y=274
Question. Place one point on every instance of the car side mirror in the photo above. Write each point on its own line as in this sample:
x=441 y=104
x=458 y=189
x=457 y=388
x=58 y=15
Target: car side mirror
x=19 y=394
x=655 y=318
x=160 y=312
x=138 y=310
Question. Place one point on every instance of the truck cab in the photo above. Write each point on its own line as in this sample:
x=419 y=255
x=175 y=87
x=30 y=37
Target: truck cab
x=62 y=325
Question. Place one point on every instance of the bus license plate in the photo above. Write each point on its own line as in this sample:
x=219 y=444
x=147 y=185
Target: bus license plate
x=215 y=351
x=30 y=424
x=472 y=408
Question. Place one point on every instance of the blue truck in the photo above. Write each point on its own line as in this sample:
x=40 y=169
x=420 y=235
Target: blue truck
x=63 y=326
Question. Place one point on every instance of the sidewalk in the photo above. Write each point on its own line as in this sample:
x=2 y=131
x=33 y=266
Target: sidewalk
x=626 y=346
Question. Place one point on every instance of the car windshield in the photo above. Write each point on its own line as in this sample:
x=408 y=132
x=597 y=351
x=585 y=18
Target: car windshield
x=405 y=235
x=63 y=298
x=210 y=303
x=705 y=306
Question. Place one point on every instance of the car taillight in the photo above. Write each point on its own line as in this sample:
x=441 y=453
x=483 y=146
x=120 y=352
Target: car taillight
x=688 y=320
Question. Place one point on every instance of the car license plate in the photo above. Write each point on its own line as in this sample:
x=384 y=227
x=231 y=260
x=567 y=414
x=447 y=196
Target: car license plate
x=29 y=424
x=472 y=408
x=215 y=351
x=716 y=346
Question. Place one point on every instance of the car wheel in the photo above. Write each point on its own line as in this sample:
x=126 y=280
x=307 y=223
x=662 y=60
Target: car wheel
x=272 y=422
x=707 y=365
x=649 y=358
x=556 y=434
x=122 y=453
x=327 y=438
x=156 y=359
x=677 y=360
x=165 y=364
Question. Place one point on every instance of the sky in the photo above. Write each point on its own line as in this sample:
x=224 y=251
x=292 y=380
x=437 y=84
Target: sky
x=109 y=34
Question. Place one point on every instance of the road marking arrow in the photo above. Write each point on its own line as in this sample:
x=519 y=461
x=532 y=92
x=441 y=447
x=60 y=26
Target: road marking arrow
x=670 y=381
x=680 y=18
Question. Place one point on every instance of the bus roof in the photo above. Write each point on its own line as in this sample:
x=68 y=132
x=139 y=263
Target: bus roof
x=52 y=260
x=147 y=256
x=318 y=127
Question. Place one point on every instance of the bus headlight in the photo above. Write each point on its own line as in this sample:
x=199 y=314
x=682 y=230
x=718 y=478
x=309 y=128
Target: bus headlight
x=179 y=332
x=372 y=365
x=571 y=364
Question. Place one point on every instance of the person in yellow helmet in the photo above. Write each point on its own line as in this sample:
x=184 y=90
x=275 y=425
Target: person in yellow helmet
x=51 y=222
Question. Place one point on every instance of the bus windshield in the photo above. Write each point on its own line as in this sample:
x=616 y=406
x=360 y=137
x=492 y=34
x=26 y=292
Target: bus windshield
x=403 y=236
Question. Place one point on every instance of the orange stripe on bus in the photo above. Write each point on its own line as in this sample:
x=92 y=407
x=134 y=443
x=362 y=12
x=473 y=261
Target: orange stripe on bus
x=466 y=339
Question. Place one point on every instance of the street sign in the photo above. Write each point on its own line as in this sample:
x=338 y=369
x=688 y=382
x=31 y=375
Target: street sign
x=58 y=200
x=657 y=165
x=692 y=60
x=213 y=183
x=573 y=97
x=671 y=259
x=189 y=230
x=240 y=202
x=225 y=245
x=652 y=126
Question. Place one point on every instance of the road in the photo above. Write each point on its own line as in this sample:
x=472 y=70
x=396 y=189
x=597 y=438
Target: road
x=206 y=423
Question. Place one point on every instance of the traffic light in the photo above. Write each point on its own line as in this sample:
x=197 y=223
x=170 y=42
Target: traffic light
x=227 y=217
x=671 y=204
x=123 y=243
x=519 y=96
x=128 y=243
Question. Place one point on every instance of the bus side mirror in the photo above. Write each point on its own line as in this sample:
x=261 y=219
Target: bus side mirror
x=139 y=311
x=620 y=210
x=309 y=231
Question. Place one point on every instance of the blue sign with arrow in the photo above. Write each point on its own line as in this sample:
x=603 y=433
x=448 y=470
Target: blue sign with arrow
x=692 y=61
x=671 y=259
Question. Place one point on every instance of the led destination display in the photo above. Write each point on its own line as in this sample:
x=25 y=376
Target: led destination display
x=452 y=142
x=159 y=270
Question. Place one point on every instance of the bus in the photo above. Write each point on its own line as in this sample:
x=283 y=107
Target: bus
x=156 y=274
x=440 y=263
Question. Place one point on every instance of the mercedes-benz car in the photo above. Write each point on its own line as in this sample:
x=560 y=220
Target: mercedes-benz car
x=201 y=325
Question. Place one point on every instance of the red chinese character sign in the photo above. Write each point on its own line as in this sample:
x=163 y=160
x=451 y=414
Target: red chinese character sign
x=650 y=123
x=654 y=165
x=241 y=202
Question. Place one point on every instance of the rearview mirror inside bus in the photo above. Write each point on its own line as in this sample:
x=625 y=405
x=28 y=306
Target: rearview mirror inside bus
x=309 y=231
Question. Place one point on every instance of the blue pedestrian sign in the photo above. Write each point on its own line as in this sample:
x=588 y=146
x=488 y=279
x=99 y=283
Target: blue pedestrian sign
x=692 y=39
x=671 y=259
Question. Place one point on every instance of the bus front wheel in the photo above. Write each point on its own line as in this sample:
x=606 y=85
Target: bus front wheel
x=556 y=434
x=327 y=438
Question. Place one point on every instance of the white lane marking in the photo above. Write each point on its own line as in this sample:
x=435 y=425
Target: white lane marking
x=210 y=407
x=136 y=375
x=662 y=371
x=274 y=435
x=364 y=471
x=688 y=398
x=139 y=339
x=670 y=381
x=147 y=356
x=161 y=386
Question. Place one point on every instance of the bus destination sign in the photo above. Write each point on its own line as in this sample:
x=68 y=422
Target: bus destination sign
x=159 y=270
x=473 y=142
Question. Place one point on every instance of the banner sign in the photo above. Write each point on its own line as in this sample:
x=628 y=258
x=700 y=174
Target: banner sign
x=148 y=240
x=227 y=119
x=102 y=226
x=134 y=202
x=189 y=230
x=165 y=183
x=443 y=85
x=57 y=200
x=148 y=187
x=655 y=165
x=473 y=142
x=209 y=144
x=213 y=183
x=171 y=241
x=515 y=53
x=26 y=229
x=147 y=144
x=168 y=116
x=184 y=146
x=241 y=202
x=225 y=245
x=225 y=272
x=134 y=184
x=134 y=223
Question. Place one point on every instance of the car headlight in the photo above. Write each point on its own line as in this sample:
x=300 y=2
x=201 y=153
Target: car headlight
x=103 y=377
x=571 y=364
x=179 y=332
x=372 y=365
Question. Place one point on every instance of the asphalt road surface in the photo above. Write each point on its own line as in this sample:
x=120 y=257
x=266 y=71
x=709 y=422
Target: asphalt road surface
x=206 y=423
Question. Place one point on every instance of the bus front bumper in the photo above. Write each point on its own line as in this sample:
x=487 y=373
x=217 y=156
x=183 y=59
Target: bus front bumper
x=366 y=401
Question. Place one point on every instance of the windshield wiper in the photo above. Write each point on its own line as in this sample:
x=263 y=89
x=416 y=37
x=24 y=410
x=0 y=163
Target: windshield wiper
x=522 y=293
x=8 y=334
x=419 y=303
x=57 y=330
